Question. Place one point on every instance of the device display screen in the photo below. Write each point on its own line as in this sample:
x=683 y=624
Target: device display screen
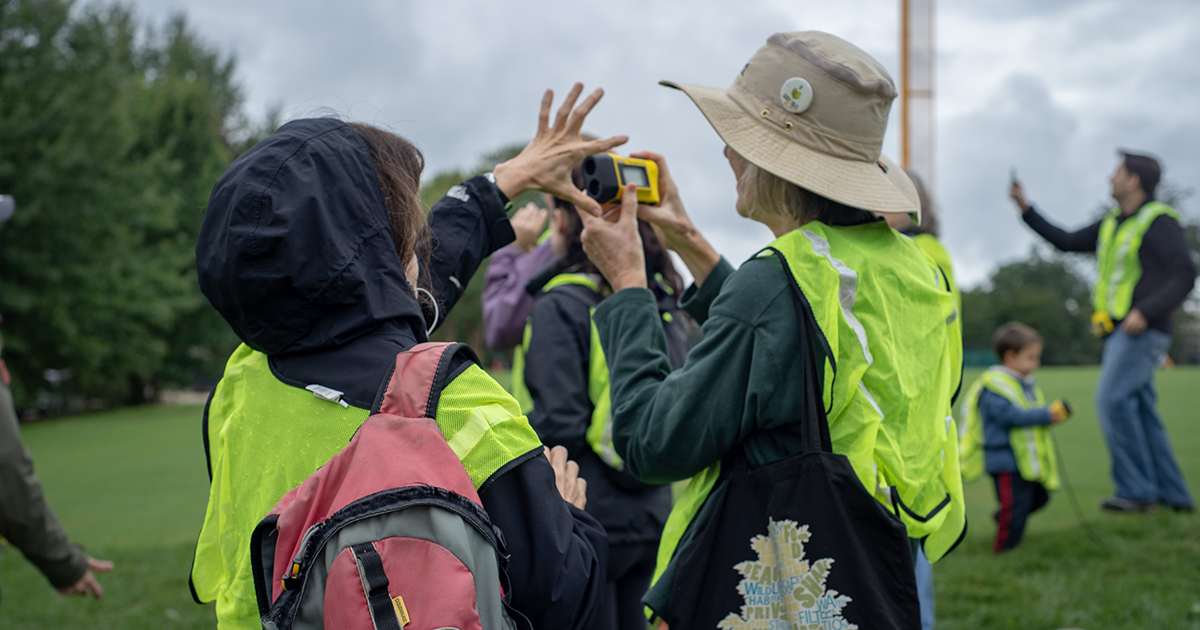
x=634 y=175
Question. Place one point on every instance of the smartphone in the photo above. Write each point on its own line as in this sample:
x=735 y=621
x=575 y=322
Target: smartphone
x=1012 y=176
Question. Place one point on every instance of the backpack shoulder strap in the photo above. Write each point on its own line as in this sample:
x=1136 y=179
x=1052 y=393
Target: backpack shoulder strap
x=421 y=373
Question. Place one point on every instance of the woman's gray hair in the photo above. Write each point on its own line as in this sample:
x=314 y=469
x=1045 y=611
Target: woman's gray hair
x=762 y=192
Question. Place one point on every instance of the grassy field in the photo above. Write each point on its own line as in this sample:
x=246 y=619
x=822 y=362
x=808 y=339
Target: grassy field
x=130 y=485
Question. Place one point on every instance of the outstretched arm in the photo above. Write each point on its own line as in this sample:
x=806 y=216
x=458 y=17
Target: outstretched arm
x=471 y=222
x=27 y=521
x=1083 y=240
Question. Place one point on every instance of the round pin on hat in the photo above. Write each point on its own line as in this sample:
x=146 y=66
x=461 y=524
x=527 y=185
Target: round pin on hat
x=796 y=95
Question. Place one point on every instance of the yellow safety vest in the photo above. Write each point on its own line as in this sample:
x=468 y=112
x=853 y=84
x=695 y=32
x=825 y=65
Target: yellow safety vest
x=1117 y=257
x=933 y=247
x=1031 y=446
x=892 y=326
x=265 y=437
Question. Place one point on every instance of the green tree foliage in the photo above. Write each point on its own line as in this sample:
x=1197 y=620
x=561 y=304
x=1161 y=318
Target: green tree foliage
x=1044 y=291
x=465 y=322
x=111 y=135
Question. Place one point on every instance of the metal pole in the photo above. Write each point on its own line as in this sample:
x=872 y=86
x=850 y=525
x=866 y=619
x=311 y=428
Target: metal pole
x=905 y=71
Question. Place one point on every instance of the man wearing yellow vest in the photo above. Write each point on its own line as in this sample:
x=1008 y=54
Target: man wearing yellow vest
x=1145 y=272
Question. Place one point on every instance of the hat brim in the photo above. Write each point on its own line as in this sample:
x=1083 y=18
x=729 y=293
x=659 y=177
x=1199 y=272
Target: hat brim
x=878 y=187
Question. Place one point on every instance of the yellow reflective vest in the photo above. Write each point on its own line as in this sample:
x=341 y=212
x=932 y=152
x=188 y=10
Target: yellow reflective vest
x=1117 y=257
x=1031 y=446
x=265 y=437
x=891 y=325
x=599 y=433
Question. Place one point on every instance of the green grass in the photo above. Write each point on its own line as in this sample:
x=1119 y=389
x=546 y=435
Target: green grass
x=1146 y=574
x=131 y=486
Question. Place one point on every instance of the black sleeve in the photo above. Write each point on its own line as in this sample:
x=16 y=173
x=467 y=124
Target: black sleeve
x=558 y=555
x=556 y=370
x=1168 y=272
x=1079 y=241
x=466 y=226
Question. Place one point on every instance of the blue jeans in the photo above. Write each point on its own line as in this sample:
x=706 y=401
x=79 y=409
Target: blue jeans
x=924 y=572
x=1143 y=465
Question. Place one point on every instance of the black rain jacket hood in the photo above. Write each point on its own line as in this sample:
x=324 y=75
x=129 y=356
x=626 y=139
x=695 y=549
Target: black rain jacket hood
x=296 y=252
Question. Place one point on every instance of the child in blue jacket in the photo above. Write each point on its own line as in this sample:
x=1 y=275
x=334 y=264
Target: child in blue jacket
x=1007 y=432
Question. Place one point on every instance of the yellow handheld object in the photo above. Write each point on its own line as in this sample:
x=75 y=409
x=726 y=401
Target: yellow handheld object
x=606 y=174
x=1061 y=409
x=1102 y=324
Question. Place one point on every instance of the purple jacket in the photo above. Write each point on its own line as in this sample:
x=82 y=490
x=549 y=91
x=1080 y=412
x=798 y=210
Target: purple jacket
x=506 y=305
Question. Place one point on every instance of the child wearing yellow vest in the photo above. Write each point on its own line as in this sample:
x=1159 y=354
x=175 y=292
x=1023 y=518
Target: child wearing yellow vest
x=1007 y=432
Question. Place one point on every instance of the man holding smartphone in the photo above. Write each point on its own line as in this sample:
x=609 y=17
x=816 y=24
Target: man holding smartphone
x=1145 y=273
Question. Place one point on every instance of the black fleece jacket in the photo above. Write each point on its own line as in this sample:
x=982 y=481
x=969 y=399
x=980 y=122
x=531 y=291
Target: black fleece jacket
x=1168 y=273
x=296 y=254
x=557 y=375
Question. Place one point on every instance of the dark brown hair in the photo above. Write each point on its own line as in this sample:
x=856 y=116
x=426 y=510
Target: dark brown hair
x=398 y=164
x=1146 y=168
x=1014 y=337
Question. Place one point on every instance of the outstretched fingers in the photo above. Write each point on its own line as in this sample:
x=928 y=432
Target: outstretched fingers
x=601 y=146
x=544 y=112
x=575 y=124
x=564 y=110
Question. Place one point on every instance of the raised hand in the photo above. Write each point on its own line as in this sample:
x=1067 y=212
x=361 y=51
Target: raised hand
x=545 y=163
x=528 y=223
x=616 y=248
x=679 y=234
x=1017 y=193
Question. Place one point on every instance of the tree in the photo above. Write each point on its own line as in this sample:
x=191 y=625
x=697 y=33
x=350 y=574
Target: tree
x=111 y=136
x=1044 y=291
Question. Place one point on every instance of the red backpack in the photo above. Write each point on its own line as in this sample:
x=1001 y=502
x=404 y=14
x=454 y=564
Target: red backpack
x=389 y=534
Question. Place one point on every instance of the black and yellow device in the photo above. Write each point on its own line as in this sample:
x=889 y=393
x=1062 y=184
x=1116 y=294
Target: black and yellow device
x=1102 y=324
x=605 y=176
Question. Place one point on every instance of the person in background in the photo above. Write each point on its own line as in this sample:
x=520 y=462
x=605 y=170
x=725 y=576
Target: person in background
x=1008 y=412
x=506 y=303
x=566 y=377
x=1145 y=273
x=26 y=520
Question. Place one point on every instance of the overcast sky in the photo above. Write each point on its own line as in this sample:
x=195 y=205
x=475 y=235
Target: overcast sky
x=1050 y=87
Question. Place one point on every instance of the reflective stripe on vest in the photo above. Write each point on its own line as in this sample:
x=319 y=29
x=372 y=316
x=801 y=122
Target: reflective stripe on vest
x=266 y=437
x=1117 y=259
x=599 y=432
x=1031 y=446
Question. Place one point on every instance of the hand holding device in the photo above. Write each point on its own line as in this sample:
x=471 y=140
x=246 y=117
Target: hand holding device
x=605 y=176
x=1060 y=410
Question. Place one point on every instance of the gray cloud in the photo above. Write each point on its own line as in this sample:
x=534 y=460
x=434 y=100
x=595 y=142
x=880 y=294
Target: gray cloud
x=1051 y=87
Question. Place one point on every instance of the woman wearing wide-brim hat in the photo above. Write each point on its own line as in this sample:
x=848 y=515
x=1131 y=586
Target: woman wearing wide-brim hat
x=814 y=418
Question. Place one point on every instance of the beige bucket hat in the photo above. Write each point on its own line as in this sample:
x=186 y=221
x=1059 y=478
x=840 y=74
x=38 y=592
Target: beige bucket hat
x=812 y=108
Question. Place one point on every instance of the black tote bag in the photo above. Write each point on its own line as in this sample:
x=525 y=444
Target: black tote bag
x=796 y=543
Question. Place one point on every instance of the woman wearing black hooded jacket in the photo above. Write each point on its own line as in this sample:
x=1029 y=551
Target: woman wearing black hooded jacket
x=310 y=250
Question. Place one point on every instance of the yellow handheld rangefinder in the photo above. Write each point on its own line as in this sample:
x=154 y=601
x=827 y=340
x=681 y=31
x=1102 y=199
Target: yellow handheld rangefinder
x=1102 y=324
x=606 y=174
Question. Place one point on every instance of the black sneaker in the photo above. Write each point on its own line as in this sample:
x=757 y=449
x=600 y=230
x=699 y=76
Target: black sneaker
x=1184 y=508
x=1118 y=504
